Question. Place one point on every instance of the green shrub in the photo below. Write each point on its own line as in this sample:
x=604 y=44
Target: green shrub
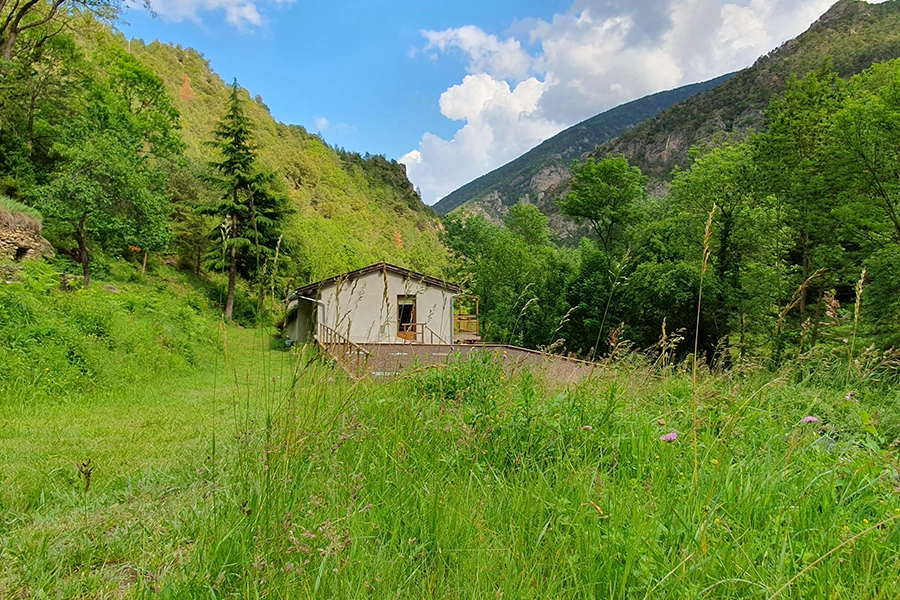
x=59 y=345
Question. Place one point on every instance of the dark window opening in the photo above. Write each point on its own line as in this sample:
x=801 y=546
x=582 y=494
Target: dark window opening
x=21 y=253
x=406 y=314
x=406 y=317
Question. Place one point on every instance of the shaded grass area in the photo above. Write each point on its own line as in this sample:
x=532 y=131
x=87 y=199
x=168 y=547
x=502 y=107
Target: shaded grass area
x=56 y=347
x=151 y=450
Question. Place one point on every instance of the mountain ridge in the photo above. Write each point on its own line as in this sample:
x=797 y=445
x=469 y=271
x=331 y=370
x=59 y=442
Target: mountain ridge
x=661 y=144
x=852 y=33
x=573 y=142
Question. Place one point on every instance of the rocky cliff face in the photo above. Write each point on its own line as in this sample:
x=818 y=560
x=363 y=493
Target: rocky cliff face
x=21 y=239
x=852 y=34
x=544 y=188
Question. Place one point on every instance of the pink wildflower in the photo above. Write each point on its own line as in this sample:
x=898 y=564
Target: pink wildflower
x=669 y=437
x=810 y=419
x=588 y=428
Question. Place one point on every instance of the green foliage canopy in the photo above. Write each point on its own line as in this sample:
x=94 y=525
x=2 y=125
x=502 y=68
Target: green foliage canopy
x=603 y=193
x=108 y=187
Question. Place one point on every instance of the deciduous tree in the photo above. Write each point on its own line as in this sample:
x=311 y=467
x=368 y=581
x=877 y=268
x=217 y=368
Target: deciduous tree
x=108 y=188
x=19 y=16
x=527 y=221
x=604 y=193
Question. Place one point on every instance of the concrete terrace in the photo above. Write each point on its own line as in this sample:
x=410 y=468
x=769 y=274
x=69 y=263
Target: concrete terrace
x=388 y=360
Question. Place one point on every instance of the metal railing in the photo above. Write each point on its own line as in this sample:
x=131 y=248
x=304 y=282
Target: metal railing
x=349 y=355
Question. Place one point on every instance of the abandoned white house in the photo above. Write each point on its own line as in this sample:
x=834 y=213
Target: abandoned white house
x=379 y=304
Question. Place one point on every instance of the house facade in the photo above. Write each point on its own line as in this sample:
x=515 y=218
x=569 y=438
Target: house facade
x=378 y=304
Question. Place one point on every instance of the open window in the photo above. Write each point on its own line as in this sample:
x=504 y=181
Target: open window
x=406 y=317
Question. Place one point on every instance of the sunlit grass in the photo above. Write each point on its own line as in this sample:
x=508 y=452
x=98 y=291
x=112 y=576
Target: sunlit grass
x=270 y=475
x=222 y=466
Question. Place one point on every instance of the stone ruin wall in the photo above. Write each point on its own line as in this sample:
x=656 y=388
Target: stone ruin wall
x=21 y=239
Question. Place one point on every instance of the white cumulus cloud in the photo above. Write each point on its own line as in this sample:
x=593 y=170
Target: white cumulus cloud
x=501 y=123
x=597 y=55
x=240 y=13
x=486 y=53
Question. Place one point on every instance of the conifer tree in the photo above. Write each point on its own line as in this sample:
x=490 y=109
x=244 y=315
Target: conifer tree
x=250 y=215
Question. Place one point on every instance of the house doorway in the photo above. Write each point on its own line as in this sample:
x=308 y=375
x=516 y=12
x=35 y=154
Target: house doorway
x=406 y=318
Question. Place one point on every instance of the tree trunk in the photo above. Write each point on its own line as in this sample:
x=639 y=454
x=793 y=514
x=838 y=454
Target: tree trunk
x=728 y=279
x=144 y=266
x=232 y=272
x=804 y=242
x=83 y=253
x=778 y=253
x=814 y=337
x=743 y=332
x=7 y=49
x=31 y=110
x=14 y=23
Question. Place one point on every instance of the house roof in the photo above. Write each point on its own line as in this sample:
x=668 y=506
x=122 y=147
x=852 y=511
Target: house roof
x=377 y=267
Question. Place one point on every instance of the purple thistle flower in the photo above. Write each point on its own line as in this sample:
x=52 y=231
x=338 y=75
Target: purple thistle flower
x=669 y=437
x=810 y=419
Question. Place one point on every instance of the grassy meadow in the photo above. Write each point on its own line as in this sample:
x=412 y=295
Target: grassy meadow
x=149 y=451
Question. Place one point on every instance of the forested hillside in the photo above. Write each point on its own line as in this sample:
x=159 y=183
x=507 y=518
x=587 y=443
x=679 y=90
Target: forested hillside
x=535 y=173
x=352 y=210
x=852 y=34
x=782 y=246
x=120 y=145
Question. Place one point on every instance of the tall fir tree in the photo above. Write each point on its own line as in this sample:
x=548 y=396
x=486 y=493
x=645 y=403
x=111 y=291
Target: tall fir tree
x=250 y=216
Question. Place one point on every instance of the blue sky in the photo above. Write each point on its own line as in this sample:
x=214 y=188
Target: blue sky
x=457 y=88
x=348 y=62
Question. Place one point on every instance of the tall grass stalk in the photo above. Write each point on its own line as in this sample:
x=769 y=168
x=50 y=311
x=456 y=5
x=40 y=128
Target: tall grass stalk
x=554 y=342
x=275 y=267
x=847 y=542
x=707 y=237
x=860 y=285
x=512 y=332
x=617 y=278
x=795 y=301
